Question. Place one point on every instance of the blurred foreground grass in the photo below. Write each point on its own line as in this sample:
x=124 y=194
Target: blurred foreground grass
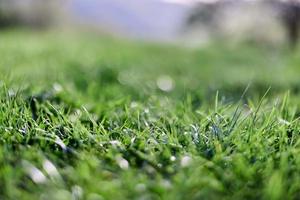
x=89 y=117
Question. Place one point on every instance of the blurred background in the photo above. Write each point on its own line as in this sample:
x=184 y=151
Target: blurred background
x=194 y=21
x=144 y=47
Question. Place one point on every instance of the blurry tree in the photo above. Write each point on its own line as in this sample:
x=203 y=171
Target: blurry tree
x=209 y=15
x=37 y=13
x=7 y=18
x=290 y=15
x=205 y=14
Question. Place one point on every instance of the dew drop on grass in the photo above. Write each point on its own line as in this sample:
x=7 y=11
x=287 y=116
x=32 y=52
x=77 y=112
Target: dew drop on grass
x=132 y=140
x=123 y=163
x=50 y=168
x=11 y=93
x=165 y=83
x=134 y=104
x=172 y=158
x=283 y=121
x=37 y=176
x=57 y=87
x=186 y=161
x=59 y=142
x=115 y=143
x=146 y=110
x=34 y=173
x=159 y=165
x=77 y=192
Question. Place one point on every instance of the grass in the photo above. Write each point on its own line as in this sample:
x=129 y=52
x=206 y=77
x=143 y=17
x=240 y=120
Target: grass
x=90 y=117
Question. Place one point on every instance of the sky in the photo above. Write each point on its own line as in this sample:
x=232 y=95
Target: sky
x=151 y=19
x=188 y=2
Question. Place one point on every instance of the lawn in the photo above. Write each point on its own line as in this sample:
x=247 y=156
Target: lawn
x=84 y=116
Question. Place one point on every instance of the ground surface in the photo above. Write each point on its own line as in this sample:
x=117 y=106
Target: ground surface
x=86 y=117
